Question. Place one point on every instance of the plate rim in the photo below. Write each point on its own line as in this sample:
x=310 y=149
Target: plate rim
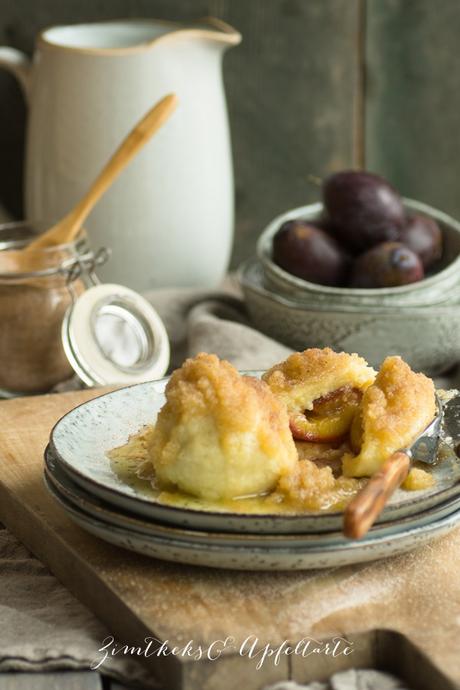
x=179 y=510
x=349 y=546
x=183 y=532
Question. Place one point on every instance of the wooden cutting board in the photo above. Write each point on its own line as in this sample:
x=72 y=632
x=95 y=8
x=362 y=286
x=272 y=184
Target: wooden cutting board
x=400 y=614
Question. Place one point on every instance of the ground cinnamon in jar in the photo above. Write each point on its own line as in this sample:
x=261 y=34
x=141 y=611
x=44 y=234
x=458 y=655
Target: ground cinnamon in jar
x=32 y=307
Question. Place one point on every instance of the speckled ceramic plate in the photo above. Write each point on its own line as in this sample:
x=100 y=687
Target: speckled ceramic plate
x=247 y=556
x=72 y=493
x=81 y=439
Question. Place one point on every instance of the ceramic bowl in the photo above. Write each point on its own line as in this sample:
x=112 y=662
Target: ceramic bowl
x=427 y=337
x=439 y=287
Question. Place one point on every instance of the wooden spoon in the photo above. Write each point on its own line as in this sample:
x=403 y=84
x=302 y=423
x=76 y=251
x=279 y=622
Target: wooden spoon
x=68 y=228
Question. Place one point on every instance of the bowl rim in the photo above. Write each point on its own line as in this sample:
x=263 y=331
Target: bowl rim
x=264 y=242
x=390 y=310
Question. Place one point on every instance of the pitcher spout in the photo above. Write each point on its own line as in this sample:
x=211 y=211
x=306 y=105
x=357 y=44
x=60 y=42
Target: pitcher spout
x=218 y=30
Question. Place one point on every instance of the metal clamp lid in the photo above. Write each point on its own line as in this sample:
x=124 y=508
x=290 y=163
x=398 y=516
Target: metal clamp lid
x=111 y=335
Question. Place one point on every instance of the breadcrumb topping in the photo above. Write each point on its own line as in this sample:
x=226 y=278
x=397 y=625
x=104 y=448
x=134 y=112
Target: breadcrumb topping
x=306 y=376
x=227 y=431
x=395 y=409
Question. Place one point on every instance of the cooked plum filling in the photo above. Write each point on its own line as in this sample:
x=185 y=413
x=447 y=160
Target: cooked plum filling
x=330 y=419
x=356 y=431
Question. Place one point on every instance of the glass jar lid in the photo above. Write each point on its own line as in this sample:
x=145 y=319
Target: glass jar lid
x=112 y=335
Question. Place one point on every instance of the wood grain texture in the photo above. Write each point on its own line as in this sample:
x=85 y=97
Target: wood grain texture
x=293 y=90
x=412 y=98
x=416 y=596
x=361 y=513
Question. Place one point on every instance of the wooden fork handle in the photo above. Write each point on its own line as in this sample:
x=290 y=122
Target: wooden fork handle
x=363 y=510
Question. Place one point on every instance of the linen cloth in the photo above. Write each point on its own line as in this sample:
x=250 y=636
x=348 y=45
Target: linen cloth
x=43 y=627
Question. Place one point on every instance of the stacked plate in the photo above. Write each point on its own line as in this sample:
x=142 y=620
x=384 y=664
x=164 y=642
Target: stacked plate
x=78 y=474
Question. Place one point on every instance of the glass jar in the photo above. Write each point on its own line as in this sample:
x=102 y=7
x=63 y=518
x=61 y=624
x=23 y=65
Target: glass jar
x=34 y=297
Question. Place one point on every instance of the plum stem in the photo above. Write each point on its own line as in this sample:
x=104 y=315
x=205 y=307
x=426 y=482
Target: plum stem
x=315 y=180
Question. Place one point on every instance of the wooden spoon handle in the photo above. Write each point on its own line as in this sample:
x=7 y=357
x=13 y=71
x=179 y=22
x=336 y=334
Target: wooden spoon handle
x=67 y=229
x=129 y=147
x=362 y=511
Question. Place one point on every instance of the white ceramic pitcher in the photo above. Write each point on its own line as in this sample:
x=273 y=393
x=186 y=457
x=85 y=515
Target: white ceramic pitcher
x=169 y=217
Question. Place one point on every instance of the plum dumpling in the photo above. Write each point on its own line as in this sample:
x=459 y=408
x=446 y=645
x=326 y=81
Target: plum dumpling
x=394 y=410
x=321 y=390
x=220 y=435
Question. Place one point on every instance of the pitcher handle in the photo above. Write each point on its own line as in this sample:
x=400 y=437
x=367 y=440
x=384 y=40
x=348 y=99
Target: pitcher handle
x=19 y=65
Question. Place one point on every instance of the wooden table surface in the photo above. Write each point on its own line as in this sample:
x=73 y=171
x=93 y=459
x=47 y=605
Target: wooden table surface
x=401 y=614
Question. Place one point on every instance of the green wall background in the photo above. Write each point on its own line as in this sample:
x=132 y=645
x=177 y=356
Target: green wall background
x=316 y=85
x=413 y=97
